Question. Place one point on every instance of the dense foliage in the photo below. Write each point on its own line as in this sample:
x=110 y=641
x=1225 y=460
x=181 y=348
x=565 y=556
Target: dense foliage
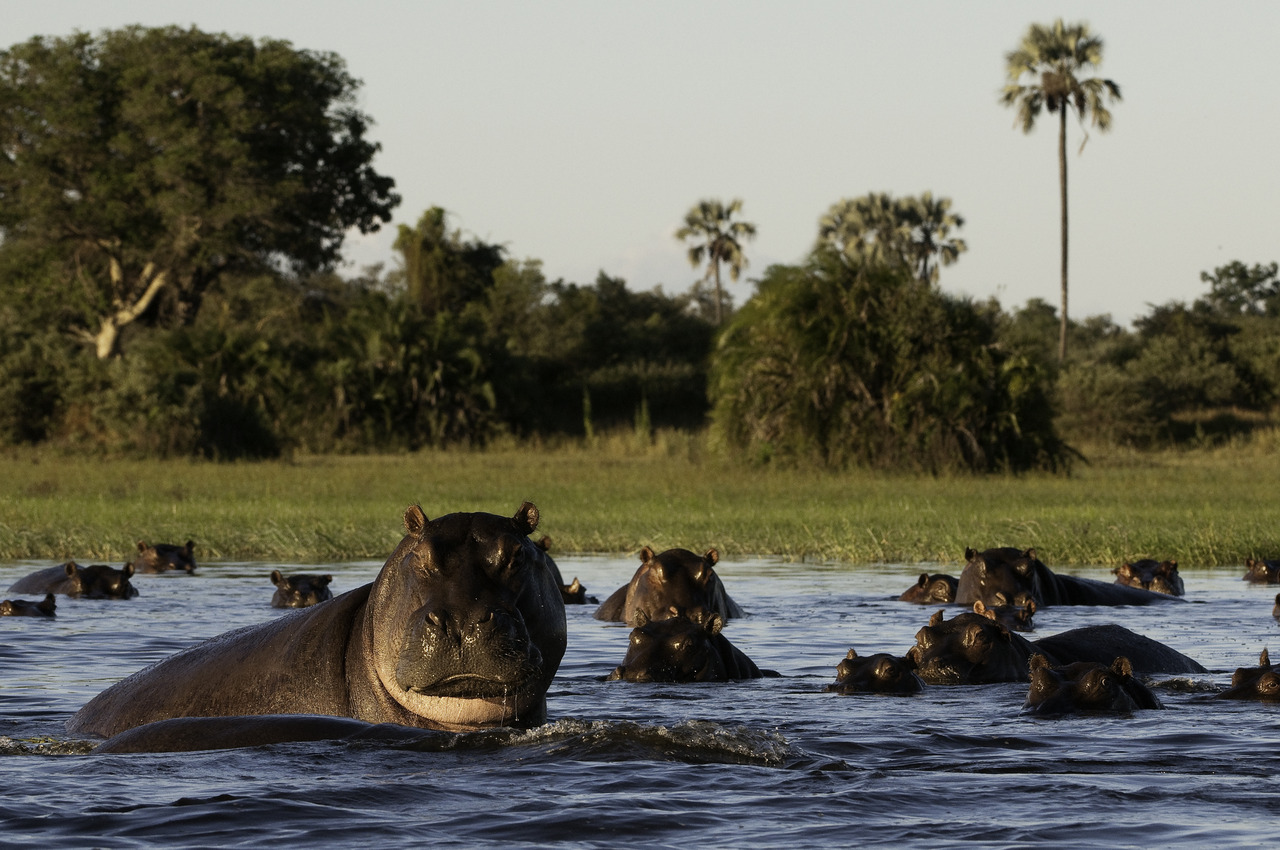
x=843 y=364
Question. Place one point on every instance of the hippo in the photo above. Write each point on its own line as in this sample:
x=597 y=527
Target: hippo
x=880 y=673
x=683 y=647
x=1007 y=576
x=668 y=584
x=188 y=734
x=1018 y=619
x=1086 y=686
x=971 y=649
x=1150 y=574
x=98 y=581
x=573 y=593
x=1260 y=683
x=936 y=589
x=462 y=629
x=163 y=557
x=300 y=590
x=1275 y=612
x=25 y=608
x=1262 y=572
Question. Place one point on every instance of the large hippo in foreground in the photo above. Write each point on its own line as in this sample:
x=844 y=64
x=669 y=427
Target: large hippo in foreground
x=879 y=673
x=668 y=584
x=1086 y=686
x=97 y=581
x=163 y=557
x=1153 y=575
x=462 y=629
x=1008 y=576
x=936 y=589
x=1260 y=683
x=970 y=649
x=683 y=648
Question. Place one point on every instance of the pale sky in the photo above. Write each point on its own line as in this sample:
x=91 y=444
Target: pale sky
x=579 y=132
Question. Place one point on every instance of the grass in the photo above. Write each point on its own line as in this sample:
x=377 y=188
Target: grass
x=1203 y=508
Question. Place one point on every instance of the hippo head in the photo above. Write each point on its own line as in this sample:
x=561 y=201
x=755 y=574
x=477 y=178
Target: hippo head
x=301 y=590
x=969 y=649
x=100 y=581
x=23 y=608
x=1261 y=682
x=1086 y=686
x=671 y=584
x=1018 y=619
x=1262 y=572
x=880 y=673
x=935 y=589
x=679 y=648
x=1003 y=576
x=163 y=557
x=1149 y=574
x=465 y=626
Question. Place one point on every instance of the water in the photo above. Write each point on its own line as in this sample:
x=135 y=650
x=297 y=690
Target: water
x=770 y=762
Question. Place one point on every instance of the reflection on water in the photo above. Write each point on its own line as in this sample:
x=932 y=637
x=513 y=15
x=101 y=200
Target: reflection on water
x=772 y=761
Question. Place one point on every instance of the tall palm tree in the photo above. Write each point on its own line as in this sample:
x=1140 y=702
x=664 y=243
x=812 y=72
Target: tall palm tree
x=908 y=231
x=719 y=240
x=1053 y=57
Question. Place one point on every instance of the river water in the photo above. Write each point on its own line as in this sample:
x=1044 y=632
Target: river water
x=772 y=762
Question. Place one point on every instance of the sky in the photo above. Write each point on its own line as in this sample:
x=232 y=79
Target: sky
x=580 y=132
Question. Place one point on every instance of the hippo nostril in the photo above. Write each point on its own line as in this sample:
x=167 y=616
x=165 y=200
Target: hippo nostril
x=436 y=619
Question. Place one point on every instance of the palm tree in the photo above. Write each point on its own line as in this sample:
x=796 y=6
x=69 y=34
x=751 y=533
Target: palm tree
x=908 y=231
x=1053 y=56
x=719 y=240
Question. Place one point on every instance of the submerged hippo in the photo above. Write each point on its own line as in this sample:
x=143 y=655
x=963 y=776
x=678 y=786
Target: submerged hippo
x=676 y=581
x=25 y=608
x=1275 y=612
x=936 y=589
x=572 y=593
x=1150 y=574
x=98 y=581
x=970 y=649
x=1262 y=572
x=300 y=590
x=880 y=673
x=163 y=557
x=1018 y=619
x=684 y=647
x=1261 y=682
x=1086 y=686
x=1007 y=576
x=462 y=629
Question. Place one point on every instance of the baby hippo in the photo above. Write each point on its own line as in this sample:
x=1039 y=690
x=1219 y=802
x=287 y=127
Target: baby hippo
x=936 y=589
x=1086 y=686
x=163 y=557
x=1262 y=572
x=684 y=647
x=880 y=673
x=301 y=590
x=25 y=608
x=1261 y=682
x=1149 y=574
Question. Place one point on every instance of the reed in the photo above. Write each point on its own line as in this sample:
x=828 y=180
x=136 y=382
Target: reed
x=626 y=490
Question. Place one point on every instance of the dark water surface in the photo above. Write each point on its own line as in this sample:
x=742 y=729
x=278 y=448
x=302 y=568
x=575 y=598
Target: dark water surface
x=770 y=763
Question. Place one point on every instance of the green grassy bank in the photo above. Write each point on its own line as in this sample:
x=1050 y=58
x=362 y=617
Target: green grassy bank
x=1203 y=508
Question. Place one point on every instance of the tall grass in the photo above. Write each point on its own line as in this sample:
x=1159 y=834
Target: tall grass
x=626 y=490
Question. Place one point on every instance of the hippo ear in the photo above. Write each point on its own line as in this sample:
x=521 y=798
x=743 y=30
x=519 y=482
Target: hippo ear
x=714 y=624
x=325 y=579
x=575 y=586
x=142 y=545
x=970 y=554
x=1030 y=553
x=711 y=558
x=1168 y=568
x=936 y=619
x=1125 y=570
x=127 y=569
x=415 y=520
x=646 y=555
x=1038 y=662
x=924 y=580
x=527 y=517
x=191 y=546
x=641 y=618
x=979 y=608
x=852 y=655
x=276 y=577
x=70 y=568
x=1122 y=667
x=1030 y=607
x=544 y=543
x=1264 y=660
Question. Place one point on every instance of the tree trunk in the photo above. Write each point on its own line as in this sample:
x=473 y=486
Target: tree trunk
x=1062 y=188
x=105 y=339
x=715 y=264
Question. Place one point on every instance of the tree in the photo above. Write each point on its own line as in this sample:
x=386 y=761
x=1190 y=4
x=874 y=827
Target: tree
x=1237 y=290
x=442 y=270
x=717 y=239
x=156 y=160
x=1053 y=57
x=910 y=231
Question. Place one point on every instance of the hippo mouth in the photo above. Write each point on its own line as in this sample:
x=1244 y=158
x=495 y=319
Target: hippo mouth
x=473 y=686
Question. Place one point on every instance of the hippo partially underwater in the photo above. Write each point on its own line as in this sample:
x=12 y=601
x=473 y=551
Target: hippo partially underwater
x=46 y=607
x=97 y=581
x=462 y=629
x=1086 y=686
x=669 y=584
x=1008 y=576
x=163 y=557
x=300 y=590
x=683 y=648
